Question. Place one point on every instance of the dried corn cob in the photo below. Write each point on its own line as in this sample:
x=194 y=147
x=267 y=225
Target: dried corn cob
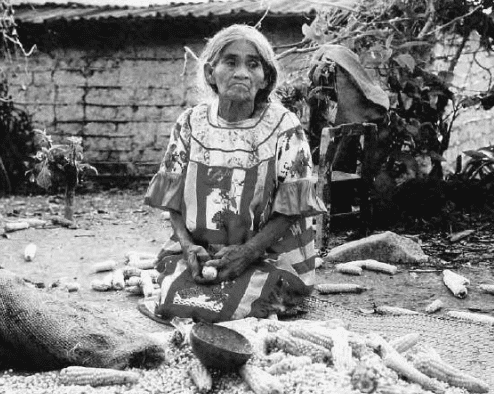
x=401 y=366
x=349 y=268
x=313 y=335
x=136 y=290
x=405 y=342
x=147 y=284
x=133 y=281
x=117 y=280
x=129 y=271
x=102 y=266
x=15 y=226
x=434 y=306
x=395 y=361
x=76 y=375
x=374 y=265
x=472 y=316
x=104 y=284
x=200 y=376
x=341 y=351
x=297 y=346
x=287 y=364
x=30 y=252
x=444 y=372
x=135 y=255
x=259 y=381
x=332 y=288
x=487 y=288
x=394 y=310
x=456 y=283
x=154 y=274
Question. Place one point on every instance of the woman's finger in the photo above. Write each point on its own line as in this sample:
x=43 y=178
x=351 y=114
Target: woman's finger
x=216 y=263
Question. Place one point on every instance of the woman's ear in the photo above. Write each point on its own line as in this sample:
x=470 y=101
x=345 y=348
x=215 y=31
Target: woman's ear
x=208 y=73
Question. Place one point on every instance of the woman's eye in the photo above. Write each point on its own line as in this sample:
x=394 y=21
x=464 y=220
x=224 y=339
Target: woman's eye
x=254 y=64
x=230 y=63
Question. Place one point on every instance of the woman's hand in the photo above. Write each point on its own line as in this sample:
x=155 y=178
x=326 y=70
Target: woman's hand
x=231 y=261
x=196 y=256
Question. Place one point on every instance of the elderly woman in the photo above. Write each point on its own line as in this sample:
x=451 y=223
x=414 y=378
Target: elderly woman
x=237 y=180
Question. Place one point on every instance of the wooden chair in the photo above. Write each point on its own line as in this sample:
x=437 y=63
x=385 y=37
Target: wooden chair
x=333 y=139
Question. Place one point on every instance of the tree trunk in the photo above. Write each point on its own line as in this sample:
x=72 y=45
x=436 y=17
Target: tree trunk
x=5 y=186
x=69 y=203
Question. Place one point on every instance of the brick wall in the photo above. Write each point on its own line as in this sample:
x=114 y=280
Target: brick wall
x=122 y=102
x=474 y=126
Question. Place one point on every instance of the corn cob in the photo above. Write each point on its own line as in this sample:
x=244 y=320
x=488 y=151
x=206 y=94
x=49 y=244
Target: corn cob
x=487 y=288
x=297 y=346
x=200 y=376
x=348 y=268
x=15 y=226
x=117 y=280
x=104 y=284
x=102 y=266
x=405 y=342
x=134 y=255
x=259 y=381
x=444 y=372
x=394 y=310
x=147 y=284
x=456 y=283
x=82 y=376
x=135 y=290
x=129 y=271
x=209 y=273
x=154 y=274
x=133 y=281
x=287 y=364
x=30 y=252
x=472 y=316
x=374 y=265
x=434 y=306
x=316 y=336
x=332 y=288
x=143 y=264
x=401 y=366
x=341 y=352
x=35 y=223
x=398 y=363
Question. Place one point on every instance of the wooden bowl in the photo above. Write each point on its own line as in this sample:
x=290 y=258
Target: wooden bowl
x=219 y=347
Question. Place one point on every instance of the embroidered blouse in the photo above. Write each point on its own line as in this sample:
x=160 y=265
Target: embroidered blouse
x=228 y=179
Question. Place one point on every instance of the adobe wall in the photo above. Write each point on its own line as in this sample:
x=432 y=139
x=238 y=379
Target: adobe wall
x=122 y=102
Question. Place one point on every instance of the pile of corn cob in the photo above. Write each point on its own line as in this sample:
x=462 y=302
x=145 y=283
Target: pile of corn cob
x=289 y=357
x=137 y=276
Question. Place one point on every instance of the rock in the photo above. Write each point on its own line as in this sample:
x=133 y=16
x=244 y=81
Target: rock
x=387 y=247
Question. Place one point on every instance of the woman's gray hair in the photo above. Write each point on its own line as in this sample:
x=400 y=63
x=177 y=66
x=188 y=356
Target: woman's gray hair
x=215 y=46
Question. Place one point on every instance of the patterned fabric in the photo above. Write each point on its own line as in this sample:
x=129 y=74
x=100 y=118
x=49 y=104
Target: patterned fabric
x=228 y=179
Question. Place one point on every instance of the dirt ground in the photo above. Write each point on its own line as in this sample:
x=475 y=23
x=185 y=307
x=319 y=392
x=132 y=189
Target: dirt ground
x=112 y=223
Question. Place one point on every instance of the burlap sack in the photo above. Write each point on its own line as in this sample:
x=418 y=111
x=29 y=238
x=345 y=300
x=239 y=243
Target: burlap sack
x=40 y=331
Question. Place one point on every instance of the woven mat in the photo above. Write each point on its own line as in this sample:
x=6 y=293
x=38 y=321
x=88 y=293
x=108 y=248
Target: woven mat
x=467 y=345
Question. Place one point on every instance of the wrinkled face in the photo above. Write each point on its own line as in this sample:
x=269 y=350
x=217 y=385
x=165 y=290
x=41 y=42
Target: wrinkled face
x=238 y=74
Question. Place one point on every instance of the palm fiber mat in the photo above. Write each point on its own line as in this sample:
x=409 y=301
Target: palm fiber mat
x=465 y=344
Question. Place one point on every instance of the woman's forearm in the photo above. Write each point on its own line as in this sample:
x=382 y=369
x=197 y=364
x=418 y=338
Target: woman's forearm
x=274 y=229
x=180 y=230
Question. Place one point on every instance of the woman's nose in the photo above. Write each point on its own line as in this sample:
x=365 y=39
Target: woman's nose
x=241 y=71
